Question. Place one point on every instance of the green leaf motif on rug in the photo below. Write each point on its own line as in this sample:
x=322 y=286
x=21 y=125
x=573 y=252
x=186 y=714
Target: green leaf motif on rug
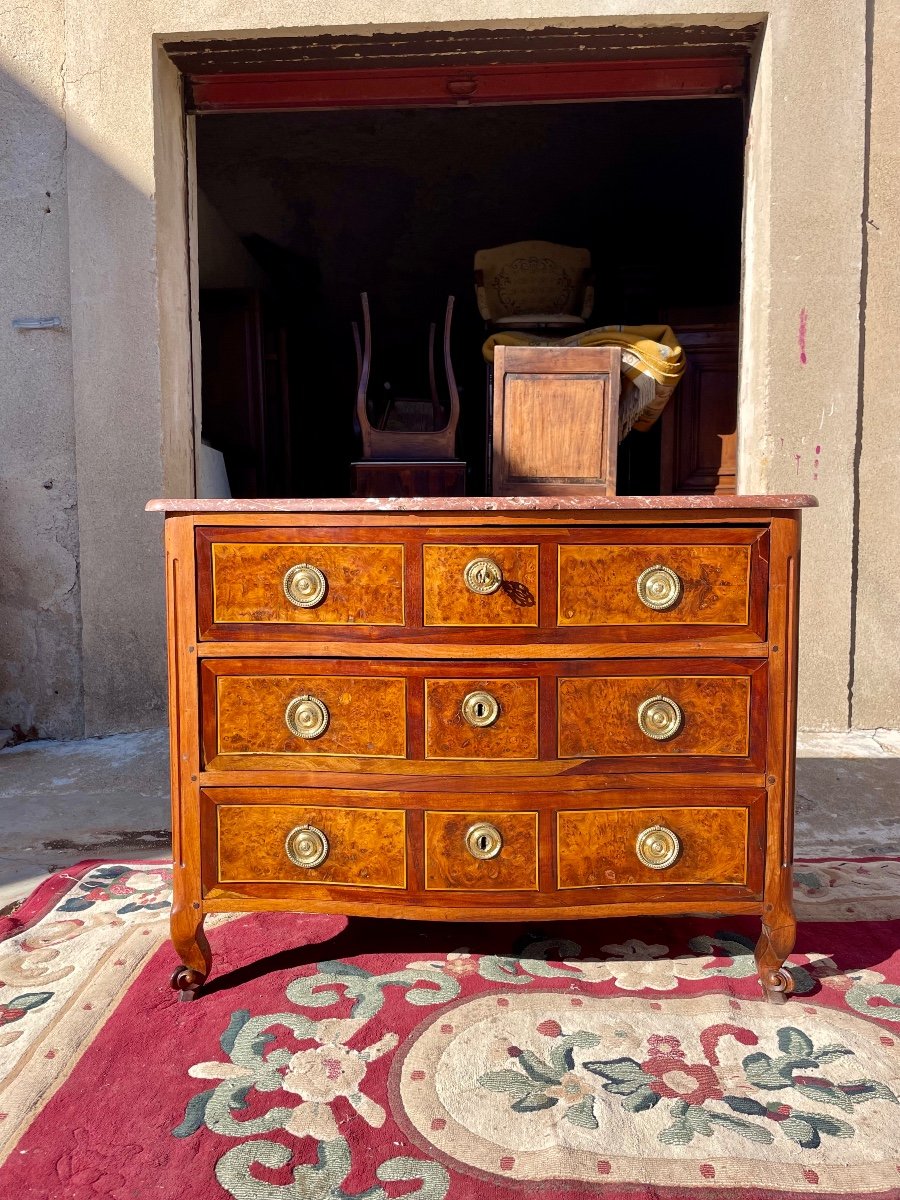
x=536 y=1083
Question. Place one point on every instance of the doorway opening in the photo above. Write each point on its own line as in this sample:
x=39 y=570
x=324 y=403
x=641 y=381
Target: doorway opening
x=299 y=212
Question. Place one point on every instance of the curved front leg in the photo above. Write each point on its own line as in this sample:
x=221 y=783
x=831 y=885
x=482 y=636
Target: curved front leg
x=192 y=948
x=773 y=948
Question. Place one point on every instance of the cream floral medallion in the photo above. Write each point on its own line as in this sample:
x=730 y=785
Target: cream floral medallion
x=541 y=1086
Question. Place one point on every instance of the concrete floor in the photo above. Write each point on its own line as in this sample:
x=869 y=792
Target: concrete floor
x=61 y=802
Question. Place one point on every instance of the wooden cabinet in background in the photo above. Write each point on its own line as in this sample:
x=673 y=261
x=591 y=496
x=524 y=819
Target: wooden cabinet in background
x=699 y=424
x=245 y=394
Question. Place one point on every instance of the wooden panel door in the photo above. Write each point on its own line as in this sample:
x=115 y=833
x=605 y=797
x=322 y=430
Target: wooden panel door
x=555 y=420
x=699 y=424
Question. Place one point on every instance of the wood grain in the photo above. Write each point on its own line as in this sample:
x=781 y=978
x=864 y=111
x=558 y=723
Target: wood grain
x=450 y=866
x=365 y=583
x=367 y=717
x=596 y=848
x=514 y=735
x=367 y=847
x=598 y=716
x=555 y=420
x=598 y=584
x=447 y=600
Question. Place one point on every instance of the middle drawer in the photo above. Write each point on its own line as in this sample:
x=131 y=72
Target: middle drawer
x=541 y=718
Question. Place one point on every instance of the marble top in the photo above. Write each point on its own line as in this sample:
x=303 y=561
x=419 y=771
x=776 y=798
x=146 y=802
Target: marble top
x=486 y=504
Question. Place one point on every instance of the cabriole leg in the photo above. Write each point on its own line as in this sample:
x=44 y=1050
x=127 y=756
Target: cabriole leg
x=774 y=946
x=193 y=949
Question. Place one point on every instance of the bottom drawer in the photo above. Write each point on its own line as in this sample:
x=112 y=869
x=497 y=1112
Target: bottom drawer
x=292 y=843
x=612 y=847
x=481 y=851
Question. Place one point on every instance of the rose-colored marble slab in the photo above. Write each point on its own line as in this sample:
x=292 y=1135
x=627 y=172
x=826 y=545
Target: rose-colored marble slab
x=487 y=504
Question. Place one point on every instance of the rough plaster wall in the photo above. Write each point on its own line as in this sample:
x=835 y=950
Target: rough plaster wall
x=40 y=635
x=804 y=286
x=876 y=682
x=806 y=161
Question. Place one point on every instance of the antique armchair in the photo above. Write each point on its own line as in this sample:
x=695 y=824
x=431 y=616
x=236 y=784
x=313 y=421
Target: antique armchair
x=534 y=285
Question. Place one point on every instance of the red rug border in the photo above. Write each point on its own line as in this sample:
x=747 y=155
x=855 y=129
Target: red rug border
x=40 y=902
x=50 y=890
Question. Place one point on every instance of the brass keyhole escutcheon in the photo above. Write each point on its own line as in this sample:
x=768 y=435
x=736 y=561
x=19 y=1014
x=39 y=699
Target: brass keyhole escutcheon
x=484 y=840
x=306 y=717
x=659 y=588
x=482 y=576
x=306 y=846
x=660 y=718
x=657 y=847
x=480 y=709
x=305 y=585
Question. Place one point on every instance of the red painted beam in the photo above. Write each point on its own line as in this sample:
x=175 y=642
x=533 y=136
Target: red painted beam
x=415 y=87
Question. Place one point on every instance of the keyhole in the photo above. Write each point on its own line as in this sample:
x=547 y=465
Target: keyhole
x=480 y=709
x=483 y=842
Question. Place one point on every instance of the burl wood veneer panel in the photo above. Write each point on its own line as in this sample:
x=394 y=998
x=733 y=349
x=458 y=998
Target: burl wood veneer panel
x=450 y=866
x=598 y=584
x=367 y=717
x=598 y=848
x=448 y=601
x=514 y=734
x=367 y=846
x=364 y=583
x=598 y=716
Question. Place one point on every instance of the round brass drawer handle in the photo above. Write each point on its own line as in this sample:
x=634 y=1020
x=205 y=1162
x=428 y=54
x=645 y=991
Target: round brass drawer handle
x=482 y=576
x=305 y=585
x=306 y=717
x=306 y=846
x=659 y=588
x=480 y=709
x=660 y=718
x=484 y=840
x=657 y=847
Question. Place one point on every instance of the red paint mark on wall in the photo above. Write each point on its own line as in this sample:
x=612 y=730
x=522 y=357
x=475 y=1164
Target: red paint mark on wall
x=816 y=462
x=796 y=458
x=801 y=336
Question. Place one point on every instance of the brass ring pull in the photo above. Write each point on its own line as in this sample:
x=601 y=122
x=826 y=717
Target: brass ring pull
x=482 y=576
x=306 y=717
x=306 y=846
x=660 y=718
x=484 y=840
x=659 y=588
x=657 y=847
x=480 y=709
x=305 y=585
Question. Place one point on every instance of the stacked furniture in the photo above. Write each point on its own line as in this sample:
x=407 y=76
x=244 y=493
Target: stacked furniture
x=484 y=709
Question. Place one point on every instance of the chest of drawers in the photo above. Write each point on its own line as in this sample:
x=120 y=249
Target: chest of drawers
x=495 y=709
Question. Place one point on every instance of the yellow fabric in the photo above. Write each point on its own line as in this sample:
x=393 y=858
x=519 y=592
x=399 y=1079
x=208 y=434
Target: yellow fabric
x=657 y=349
x=649 y=352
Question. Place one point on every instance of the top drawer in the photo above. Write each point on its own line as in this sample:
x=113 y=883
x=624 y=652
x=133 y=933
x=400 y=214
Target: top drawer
x=244 y=581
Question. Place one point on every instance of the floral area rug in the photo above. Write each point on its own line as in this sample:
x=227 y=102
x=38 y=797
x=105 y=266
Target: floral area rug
x=369 y=1060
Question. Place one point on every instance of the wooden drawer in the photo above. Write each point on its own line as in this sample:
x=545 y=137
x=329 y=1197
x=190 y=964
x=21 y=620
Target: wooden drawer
x=244 y=581
x=481 y=718
x=306 y=844
x=450 y=601
x=454 y=841
x=656 y=715
x=703 y=841
x=256 y=714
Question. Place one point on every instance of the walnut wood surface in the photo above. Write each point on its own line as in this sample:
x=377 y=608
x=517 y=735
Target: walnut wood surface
x=365 y=583
x=598 y=584
x=367 y=847
x=598 y=717
x=555 y=419
x=729 y=776
x=597 y=848
x=447 y=600
x=367 y=717
x=450 y=866
x=513 y=735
